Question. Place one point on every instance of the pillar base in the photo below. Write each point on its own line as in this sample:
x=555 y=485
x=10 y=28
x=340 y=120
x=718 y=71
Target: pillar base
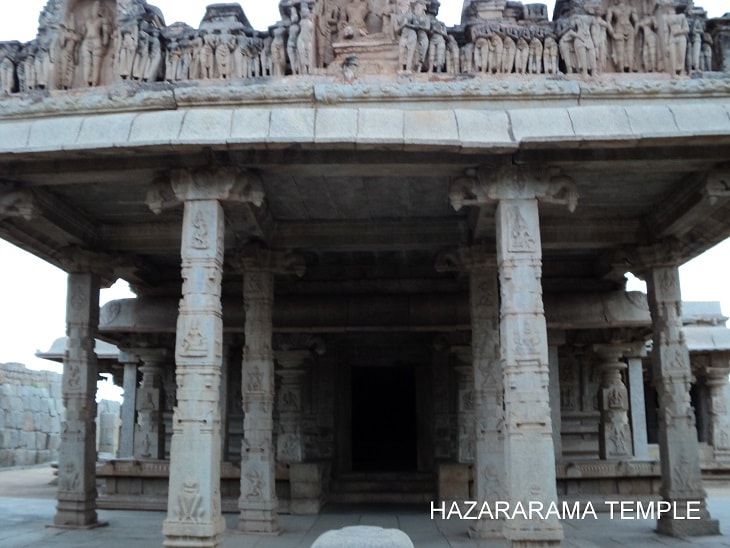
x=487 y=529
x=94 y=525
x=193 y=535
x=678 y=527
x=259 y=521
x=531 y=534
x=76 y=515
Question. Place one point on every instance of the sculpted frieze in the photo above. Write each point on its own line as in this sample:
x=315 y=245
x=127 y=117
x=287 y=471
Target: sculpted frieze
x=91 y=43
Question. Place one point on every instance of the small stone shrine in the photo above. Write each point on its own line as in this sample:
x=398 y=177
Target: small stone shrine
x=371 y=249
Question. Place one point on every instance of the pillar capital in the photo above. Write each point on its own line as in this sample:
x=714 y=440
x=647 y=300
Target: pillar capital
x=479 y=256
x=611 y=354
x=493 y=183
x=224 y=184
x=17 y=202
x=255 y=258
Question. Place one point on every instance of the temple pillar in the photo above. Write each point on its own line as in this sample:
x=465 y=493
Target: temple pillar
x=678 y=445
x=76 y=506
x=555 y=338
x=717 y=381
x=194 y=500
x=149 y=438
x=529 y=451
x=290 y=441
x=614 y=431
x=129 y=406
x=637 y=405
x=529 y=454
x=465 y=404
x=489 y=465
x=258 y=503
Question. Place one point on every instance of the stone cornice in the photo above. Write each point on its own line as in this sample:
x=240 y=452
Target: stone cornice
x=326 y=90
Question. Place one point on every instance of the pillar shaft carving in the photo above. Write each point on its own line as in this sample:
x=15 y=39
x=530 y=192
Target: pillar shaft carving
x=194 y=500
x=465 y=424
x=149 y=439
x=489 y=475
x=529 y=452
x=258 y=502
x=77 y=456
x=717 y=381
x=290 y=441
x=678 y=446
x=614 y=432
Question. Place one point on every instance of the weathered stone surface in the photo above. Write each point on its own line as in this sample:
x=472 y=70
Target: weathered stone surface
x=363 y=536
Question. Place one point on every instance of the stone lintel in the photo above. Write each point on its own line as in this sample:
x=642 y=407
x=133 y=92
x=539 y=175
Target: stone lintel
x=255 y=258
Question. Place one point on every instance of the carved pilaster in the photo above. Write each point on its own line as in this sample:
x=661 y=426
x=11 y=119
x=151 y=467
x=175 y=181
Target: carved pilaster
x=258 y=502
x=290 y=441
x=717 y=381
x=614 y=432
x=678 y=446
x=77 y=455
x=149 y=438
x=194 y=500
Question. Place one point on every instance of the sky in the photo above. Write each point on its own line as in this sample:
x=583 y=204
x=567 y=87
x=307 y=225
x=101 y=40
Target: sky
x=33 y=293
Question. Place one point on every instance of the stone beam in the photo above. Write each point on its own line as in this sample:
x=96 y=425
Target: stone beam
x=415 y=312
x=691 y=202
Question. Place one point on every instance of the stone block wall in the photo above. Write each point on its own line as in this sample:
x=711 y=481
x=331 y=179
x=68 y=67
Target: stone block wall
x=31 y=411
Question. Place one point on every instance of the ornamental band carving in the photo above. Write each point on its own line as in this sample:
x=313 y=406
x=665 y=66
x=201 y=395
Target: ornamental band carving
x=91 y=43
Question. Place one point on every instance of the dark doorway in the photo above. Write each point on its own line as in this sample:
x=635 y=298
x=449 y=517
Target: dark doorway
x=383 y=418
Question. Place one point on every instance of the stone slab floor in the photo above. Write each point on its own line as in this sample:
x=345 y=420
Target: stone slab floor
x=27 y=506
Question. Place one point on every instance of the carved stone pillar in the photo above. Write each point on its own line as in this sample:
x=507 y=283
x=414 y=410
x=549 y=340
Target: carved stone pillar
x=129 y=406
x=717 y=381
x=149 y=438
x=258 y=503
x=678 y=446
x=528 y=445
x=290 y=441
x=614 y=432
x=637 y=404
x=489 y=466
x=194 y=501
x=465 y=405
x=554 y=339
x=77 y=455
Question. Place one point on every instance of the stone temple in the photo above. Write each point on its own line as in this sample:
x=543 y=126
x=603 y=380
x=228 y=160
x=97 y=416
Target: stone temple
x=374 y=252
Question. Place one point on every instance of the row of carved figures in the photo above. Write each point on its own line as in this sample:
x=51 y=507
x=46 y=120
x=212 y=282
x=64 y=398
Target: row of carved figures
x=66 y=54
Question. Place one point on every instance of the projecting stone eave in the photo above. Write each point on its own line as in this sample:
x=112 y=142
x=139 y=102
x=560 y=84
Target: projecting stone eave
x=465 y=115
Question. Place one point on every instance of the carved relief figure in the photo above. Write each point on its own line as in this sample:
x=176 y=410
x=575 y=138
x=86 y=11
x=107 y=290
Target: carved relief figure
x=155 y=57
x=355 y=14
x=68 y=54
x=677 y=31
x=97 y=36
x=7 y=73
x=496 y=51
x=599 y=35
x=621 y=19
x=207 y=55
x=647 y=28
x=195 y=71
x=386 y=16
x=278 y=50
x=142 y=56
x=534 y=58
x=452 y=55
x=706 y=51
x=522 y=52
x=509 y=50
x=305 y=41
x=423 y=26
x=327 y=16
x=695 y=45
x=43 y=61
x=225 y=45
x=127 y=51
x=31 y=82
x=405 y=26
x=437 y=47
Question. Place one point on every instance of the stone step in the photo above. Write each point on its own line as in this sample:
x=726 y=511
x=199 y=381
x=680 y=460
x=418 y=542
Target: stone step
x=381 y=498
x=383 y=487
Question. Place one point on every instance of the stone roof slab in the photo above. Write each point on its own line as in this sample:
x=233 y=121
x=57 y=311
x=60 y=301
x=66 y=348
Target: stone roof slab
x=701 y=118
x=54 y=133
x=336 y=125
x=250 y=125
x=378 y=126
x=431 y=127
x=156 y=128
x=651 y=121
x=541 y=124
x=484 y=130
x=206 y=125
x=291 y=126
x=105 y=130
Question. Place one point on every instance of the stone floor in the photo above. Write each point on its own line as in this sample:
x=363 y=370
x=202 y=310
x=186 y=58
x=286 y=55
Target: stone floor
x=27 y=506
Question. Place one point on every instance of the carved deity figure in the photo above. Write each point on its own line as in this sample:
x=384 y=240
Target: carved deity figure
x=31 y=82
x=584 y=49
x=405 y=26
x=207 y=55
x=466 y=58
x=706 y=51
x=677 y=31
x=522 y=52
x=127 y=50
x=496 y=52
x=423 y=26
x=97 y=36
x=550 y=54
x=452 y=55
x=68 y=53
x=509 y=50
x=386 y=16
x=356 y=13
x=224 y=48
x=534 y=58
x=481 y=50
x=265 y=57
x=291 y=42
x=621 y=19
x=305 y=41
x=7 y=73
x=599 y=35
x=142 y=57
x=154 y=61
x=437 y=47
x=695 y=45
x=44 y=61
x=172 y=61
x=278 y=50
x=327 y=15
x=648 y=30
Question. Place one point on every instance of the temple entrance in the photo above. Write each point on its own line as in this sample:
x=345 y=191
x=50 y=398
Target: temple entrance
x=384 y=429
